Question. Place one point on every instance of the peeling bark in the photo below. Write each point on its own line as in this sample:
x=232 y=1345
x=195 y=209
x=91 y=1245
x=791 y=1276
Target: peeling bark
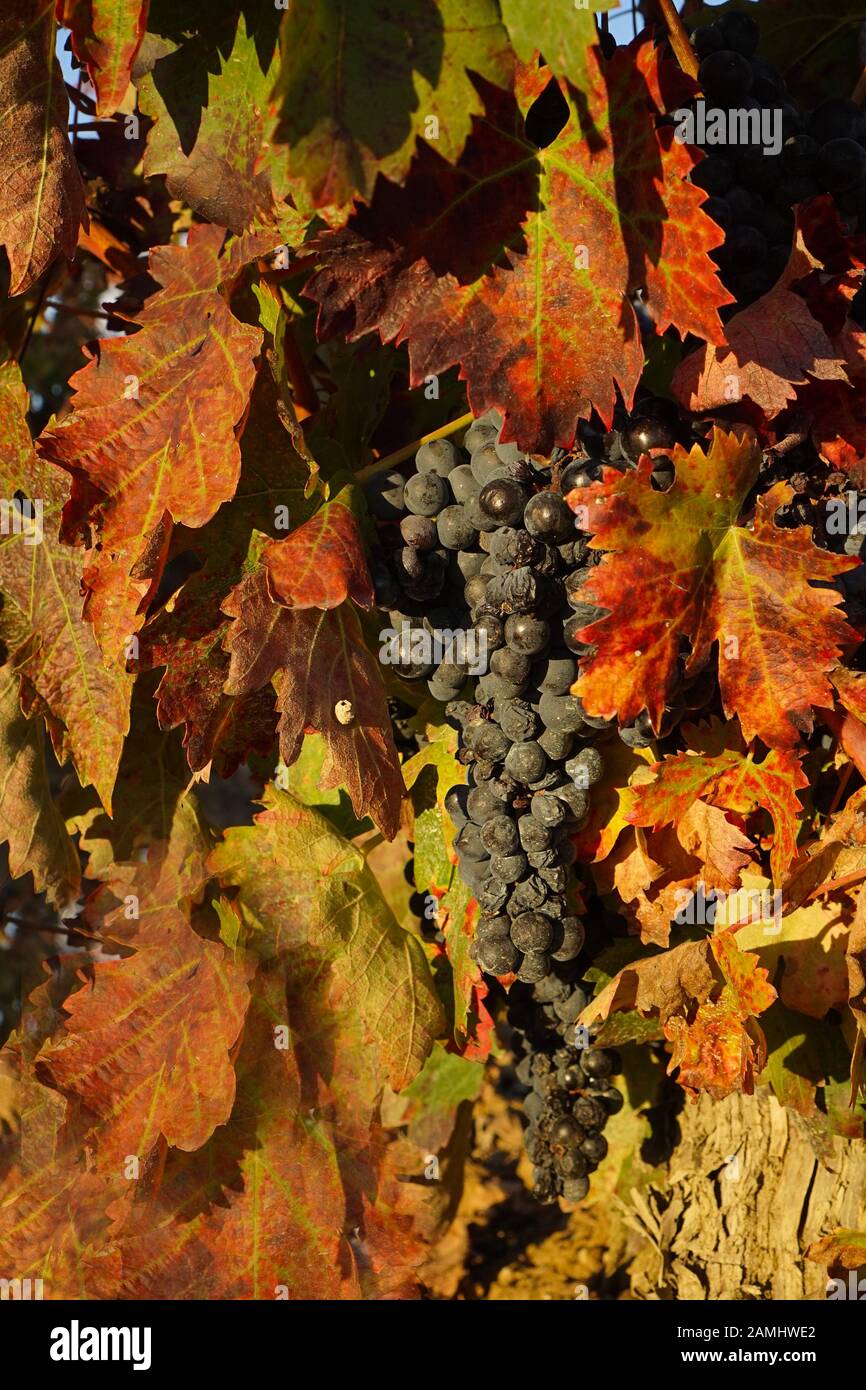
x=747 y=1195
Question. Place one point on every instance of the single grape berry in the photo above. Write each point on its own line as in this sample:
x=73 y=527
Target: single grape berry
x=646 y=433
x=842 y=165
x=509 y=868
x=526 y=762
x=561 y=713
x=596 y=1062
x=493 y=926
x=419 y=531
x=502 y=502
x=463 y=483
x=725 y=76
x=548 y=809
x=517 y=719
x=455 y=805
x=426 y=494
x=497 y=955
x=486 y=465
x=454 y=528
x=534 y=966
x=569 y=948
x=499 y=835
x=532 y=931
x=437 y=456
x=492 y=744
x=548 y=517
x=589 y=1112
x=594 y=1147
x=510 y=665
x=526 y=635
x=490 y=635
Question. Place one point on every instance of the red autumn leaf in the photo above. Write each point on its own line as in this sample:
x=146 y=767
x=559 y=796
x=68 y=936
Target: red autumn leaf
x=717 y=1052
x=146 y=1046
x=732 y=781
x=681 y=567
x=844 y=1247
x=106 y=36
x=151 y=438
x=839 y=431
x=328 y=681
x=42 y=199
x=322 y=563
x=48 y=641
x=777 y=344
x=507 y=261
x=722 y=1049
x=187 y=637
x=707 y=995
x=772 y=347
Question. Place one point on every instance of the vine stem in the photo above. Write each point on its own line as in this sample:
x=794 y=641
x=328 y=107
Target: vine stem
x=831 y=884
x=844 y=779
x=680 y=41
x=400 y=455
x=858 y=96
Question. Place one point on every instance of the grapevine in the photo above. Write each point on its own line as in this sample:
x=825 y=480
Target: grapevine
x=432 y=668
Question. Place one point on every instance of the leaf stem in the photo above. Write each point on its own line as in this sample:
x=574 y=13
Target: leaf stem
x=830 y=885
x=400 y=455
x=680 y=41
x=844 y=779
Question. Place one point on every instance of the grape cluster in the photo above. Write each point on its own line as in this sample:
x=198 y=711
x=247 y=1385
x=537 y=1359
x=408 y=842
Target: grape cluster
x=570 y=1098
x=752 y=194
x=483 y=542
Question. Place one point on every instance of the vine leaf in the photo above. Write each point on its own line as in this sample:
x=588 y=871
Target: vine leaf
x=707 y=995
x=681 y=567
x=771 y=348
x=804 y=952
x=418 y=58
x=146 y=1049
x=321 y=563
x=732 y=781
x=187 y=636
x=563 y=33
x=506 y=262
x=42 y=203
x=207 y=98
x=429 y=775
x=151 y=438
x=30 y=822
x=723 y=1049
x=328 y=681
x=842 y=1247
x=318 y=893
x=106 y=36
x=778 y=344
x=717 y=1052
x=50 y=645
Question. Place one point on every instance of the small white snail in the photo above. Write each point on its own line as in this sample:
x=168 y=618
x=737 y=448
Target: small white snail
x=344 y=711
